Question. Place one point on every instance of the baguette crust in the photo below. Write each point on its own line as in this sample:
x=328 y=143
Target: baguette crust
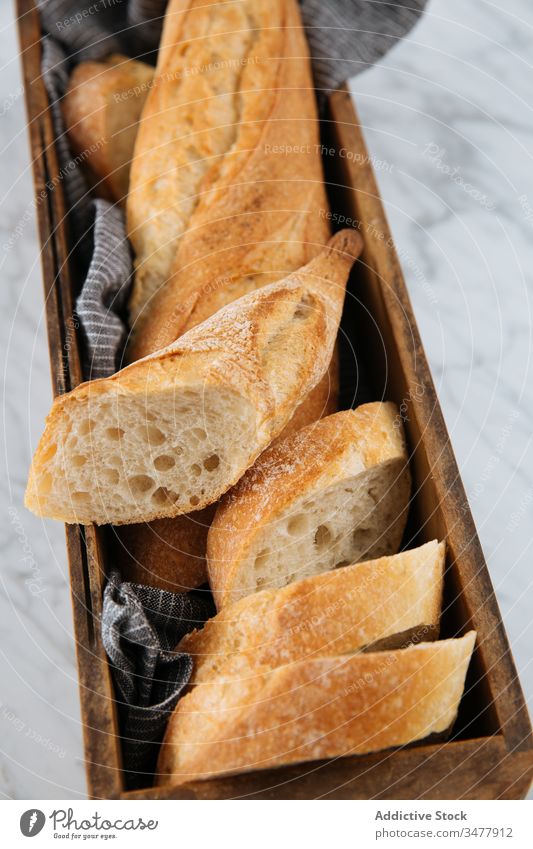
x=253 y=212
x=324 y=708
x=167 y=553
x=342 y=611
x=256 y=360
x=329 y=453
x=101 y=109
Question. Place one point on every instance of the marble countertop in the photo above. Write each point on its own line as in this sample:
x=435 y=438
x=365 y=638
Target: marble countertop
x=448 y=119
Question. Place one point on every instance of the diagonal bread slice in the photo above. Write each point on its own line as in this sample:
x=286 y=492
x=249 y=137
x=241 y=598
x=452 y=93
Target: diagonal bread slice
x=334 y=493
x=328 y=707
x=171 y=433
x=384 y=601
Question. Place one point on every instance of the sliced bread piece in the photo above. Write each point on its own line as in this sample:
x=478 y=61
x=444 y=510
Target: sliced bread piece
x=171 y=433
x=334 y=493
x=385 y=601
x=328 y=707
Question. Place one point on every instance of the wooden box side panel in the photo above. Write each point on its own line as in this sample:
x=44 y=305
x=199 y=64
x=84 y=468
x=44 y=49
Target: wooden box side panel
x=473 y=769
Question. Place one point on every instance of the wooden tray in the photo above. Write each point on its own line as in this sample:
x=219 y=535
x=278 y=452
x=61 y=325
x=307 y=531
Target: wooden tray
x=490 y=754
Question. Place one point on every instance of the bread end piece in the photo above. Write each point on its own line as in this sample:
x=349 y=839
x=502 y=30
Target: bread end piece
x=316 y=709
x=386 y=602
x=332 y=494
x=101 y=110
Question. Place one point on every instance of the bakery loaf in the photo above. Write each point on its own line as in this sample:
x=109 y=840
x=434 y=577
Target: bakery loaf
x=328 y=707
x=334 y=493
x=384 y=601
x=226 y=190
x=101 y=109
x=166 y=553
x=172 y=432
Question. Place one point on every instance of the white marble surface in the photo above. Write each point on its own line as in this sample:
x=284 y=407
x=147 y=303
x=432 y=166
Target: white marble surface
x=449 y=112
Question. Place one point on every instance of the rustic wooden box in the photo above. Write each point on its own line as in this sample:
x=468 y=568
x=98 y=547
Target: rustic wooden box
x=490 y=753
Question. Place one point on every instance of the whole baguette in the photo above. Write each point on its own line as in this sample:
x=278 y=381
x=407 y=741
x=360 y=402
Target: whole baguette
x=351 y=608
x=171 y=433
x=334 y=493
x=328 y=707
x=101 y=109
x=226 y=189
x=240 y=227
x=238 y=217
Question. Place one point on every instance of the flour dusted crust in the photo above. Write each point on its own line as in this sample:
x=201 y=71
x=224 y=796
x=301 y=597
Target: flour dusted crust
x=101 y=109
x=328 y=707
x=344 y=610
x=172 y=432
x=227 y=188
x=335 y=492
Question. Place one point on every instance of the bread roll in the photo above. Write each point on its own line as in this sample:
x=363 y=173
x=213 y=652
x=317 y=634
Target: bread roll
x=101 y=109
x=226 y=190
x=334 y=493
x=328 y=707
x=171 y=433
x=382 y=601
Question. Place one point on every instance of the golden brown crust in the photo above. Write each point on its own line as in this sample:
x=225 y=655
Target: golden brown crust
x=261 y=210
x=337 y=612
x=165 y=553
x=285 y=471
x=101 y=109
x=268 y=349
x=322 y=401
x=314 y=709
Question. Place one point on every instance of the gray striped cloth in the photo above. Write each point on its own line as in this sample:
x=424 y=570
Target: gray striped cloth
x=141 y=625
x=140 y=628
